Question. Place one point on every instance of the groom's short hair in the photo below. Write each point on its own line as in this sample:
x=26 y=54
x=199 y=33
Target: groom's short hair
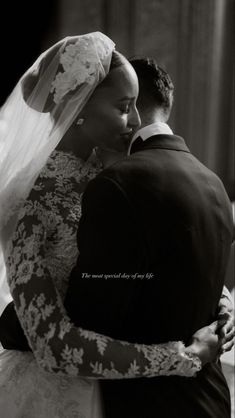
x=156 y=86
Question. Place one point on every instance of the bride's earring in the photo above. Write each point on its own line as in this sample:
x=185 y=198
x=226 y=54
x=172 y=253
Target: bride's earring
x=80 y=121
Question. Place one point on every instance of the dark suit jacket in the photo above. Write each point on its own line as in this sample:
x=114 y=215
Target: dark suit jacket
x=159 y=211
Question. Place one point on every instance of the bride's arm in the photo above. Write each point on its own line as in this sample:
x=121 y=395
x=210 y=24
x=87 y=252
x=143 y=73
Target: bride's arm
x=59 y=346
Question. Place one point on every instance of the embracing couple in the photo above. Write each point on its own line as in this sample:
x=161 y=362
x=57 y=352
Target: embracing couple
x=116 y=241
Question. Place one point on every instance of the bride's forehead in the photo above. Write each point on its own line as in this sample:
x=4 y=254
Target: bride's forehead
x=121 y=79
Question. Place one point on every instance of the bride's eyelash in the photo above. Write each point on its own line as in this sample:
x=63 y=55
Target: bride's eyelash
x=125 y=109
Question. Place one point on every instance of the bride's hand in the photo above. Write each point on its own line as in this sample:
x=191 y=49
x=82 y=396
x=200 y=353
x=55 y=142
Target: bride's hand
x=207 y=343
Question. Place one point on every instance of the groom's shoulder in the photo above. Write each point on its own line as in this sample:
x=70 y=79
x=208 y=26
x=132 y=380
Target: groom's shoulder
x=110 y=187
x=116 y=179
x=133 y=162
x=124 y=170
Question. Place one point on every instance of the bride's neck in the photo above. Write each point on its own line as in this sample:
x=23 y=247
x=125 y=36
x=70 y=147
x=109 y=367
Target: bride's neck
x=82 y=149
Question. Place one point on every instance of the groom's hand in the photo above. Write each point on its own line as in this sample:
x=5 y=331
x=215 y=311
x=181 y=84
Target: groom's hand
x=227 y=332
x=226 y=313
x=226 y=305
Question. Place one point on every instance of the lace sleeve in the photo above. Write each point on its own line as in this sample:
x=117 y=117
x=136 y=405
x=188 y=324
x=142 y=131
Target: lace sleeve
x=59 y=346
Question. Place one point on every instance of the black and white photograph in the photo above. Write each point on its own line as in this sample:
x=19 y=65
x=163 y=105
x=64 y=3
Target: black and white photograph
x=117 y=209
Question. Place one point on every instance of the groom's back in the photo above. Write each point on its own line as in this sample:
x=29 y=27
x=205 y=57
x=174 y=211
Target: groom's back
x=183 y=216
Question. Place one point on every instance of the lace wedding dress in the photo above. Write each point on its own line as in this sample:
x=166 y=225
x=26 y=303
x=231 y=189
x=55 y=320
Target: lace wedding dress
x=47 y=382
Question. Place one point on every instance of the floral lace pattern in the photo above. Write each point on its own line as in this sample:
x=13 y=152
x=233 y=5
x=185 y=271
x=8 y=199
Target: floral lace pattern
x=40 y=258
x=80 y=62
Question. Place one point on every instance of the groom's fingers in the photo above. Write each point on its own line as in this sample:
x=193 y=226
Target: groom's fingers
x=229 y=336
x=227 y=347
x=217 y=325
x=225 y=310
x=225 y=315
x=228 y=341
x=227 y=327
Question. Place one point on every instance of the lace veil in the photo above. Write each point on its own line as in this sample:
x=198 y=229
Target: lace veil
x=41 y=108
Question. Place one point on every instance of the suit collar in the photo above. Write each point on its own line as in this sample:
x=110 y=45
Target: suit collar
x=162 y=141
x=155 y=128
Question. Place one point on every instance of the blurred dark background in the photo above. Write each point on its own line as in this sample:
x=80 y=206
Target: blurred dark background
x=26 y=27
x=191 y=39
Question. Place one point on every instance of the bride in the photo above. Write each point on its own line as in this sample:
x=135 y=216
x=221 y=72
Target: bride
x=47 y=158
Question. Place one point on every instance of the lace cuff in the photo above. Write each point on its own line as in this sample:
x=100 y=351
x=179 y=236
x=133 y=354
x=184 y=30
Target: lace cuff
x=169 y=359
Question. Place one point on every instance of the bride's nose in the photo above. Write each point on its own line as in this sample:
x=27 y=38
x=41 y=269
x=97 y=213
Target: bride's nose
x=134 y=119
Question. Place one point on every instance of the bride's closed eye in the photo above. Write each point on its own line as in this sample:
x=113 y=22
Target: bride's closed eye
x=125 y=108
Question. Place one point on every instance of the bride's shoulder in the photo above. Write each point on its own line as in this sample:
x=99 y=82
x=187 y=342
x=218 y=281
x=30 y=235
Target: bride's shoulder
x=61 y=164
x=60 y=169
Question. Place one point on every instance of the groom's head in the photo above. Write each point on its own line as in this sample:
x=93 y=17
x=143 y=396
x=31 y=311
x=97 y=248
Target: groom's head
x=155 y=91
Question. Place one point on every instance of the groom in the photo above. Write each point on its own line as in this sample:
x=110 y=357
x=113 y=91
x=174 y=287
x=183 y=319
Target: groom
x=159 y=225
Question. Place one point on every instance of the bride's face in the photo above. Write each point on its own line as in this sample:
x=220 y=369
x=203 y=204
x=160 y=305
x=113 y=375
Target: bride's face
x=110 y=116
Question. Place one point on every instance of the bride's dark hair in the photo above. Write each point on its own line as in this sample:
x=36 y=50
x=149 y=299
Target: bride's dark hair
x=117 y=60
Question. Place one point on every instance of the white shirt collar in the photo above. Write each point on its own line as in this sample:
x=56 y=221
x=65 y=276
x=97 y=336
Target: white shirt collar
x=156 y=128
